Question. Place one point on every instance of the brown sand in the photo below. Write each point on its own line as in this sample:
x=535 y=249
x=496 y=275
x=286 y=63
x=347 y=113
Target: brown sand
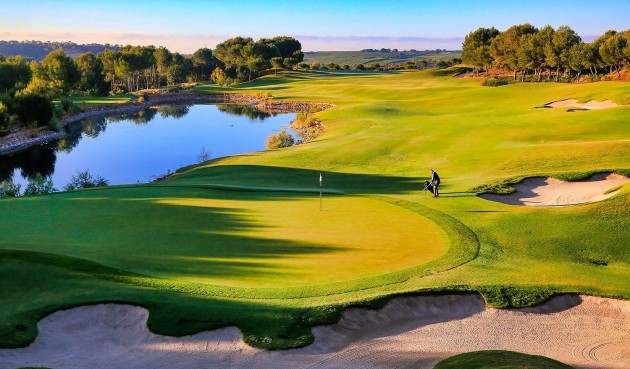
x=539 y=191
x=410 y=332
x=589 y=105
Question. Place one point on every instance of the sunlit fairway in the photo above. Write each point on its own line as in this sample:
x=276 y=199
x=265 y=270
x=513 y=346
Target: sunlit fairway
x=241 y=240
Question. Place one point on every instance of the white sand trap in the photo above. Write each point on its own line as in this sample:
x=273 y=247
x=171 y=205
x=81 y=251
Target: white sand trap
x=410 y=332
x=589 y=105
x=540 y=191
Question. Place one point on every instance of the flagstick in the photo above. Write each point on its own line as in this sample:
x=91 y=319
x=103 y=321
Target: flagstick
x=320 y=192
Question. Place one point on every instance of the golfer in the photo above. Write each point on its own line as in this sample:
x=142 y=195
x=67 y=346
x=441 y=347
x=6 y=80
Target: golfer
x=435 y=181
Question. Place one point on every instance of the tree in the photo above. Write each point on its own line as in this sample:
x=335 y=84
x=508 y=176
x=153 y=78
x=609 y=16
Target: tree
x=290 y=62
x=581 y=56
x=55 y=76
x=203 y=63
x=612 y=51
x=108 y=61
x=557 y=51
x=315 y=65
x=92 y=79
x=163 y=59
x=505 y=47
x=289 y=47
x=476 y=48
x=277 y=62
x=15 y=73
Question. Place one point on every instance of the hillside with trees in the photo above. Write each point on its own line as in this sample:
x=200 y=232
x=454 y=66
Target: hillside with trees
x=547 y=53
x=38 y=50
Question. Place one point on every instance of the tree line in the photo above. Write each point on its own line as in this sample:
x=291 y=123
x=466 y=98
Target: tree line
x=27 y=87
x=524 y=48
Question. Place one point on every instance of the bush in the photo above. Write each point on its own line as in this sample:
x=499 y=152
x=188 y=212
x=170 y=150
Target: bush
x=282 y=139
x=69 y=106
x=39 y=185
x=33 y=108
x=5 y=121
x=141 y=98
x=85 y=180
x=495 y=82
x=9 y=189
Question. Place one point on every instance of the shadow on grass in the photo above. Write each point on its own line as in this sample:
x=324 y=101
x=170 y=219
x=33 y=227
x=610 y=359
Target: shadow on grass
x=282 y=177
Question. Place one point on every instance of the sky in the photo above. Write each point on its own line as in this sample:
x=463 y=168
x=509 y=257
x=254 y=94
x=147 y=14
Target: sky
x=320 y=25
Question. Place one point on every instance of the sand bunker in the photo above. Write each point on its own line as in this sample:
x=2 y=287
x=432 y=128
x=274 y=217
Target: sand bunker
x=410 y=332
x=539 y=191
x=589 y=105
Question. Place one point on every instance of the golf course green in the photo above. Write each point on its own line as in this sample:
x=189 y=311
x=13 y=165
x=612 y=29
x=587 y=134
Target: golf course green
x=242 y=241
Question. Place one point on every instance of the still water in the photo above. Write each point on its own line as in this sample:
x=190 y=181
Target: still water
x=139 y=147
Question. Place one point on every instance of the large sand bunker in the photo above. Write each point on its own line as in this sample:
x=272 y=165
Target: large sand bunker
x=540 y=191
x=409 y=332
x=589 y=105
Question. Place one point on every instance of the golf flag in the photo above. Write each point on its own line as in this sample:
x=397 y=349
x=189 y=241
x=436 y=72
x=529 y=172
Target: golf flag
x=320 y=179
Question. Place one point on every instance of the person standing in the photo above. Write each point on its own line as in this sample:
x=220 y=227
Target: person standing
x=435 y=181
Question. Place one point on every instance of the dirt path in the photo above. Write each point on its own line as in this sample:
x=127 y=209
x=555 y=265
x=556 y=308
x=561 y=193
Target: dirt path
x=539 y=191
x=410 y=332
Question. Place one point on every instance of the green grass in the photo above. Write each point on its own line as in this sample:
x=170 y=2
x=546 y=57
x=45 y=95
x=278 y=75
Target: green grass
x=353 y=58
x=241 y=241
x=499 y=360
x=101 y=100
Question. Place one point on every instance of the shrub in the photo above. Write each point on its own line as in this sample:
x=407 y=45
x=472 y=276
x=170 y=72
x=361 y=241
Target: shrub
x=315 y=65
x=85 y=180
x=282 y=139
x=69 y=106
x=39 y=185
x=5 y=121
x=33 y=108
x=495 y=82
x=9 y=189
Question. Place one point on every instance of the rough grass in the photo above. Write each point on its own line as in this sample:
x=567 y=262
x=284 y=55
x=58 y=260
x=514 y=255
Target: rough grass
x=195 y=250
x=500 y=360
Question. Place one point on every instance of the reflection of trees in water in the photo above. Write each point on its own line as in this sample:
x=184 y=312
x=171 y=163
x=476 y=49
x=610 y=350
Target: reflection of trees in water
x=143 y=116
x=244 y=110
x=31 y=162
x=94 y=127
x=174 y=111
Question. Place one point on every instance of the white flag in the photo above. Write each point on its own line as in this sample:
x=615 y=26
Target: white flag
x=320 y=179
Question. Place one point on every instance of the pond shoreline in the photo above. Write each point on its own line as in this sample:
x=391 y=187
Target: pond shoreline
x=24 y=139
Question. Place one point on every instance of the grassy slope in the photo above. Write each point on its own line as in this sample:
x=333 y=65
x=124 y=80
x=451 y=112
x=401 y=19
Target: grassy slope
x=353 y=58
x=386 y=131
x=499 y=360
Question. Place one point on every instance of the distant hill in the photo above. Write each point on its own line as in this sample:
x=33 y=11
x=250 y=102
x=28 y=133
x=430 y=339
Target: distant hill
x=39 y=49
x=382 y=56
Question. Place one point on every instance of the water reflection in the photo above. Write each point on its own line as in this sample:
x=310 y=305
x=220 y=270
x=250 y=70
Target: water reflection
x=31 y=162
x=205 y=123
x=244 y=110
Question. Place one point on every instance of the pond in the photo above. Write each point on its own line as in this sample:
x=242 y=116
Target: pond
x=142 y=146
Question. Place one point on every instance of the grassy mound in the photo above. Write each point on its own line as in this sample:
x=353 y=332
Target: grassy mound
x=500 y=360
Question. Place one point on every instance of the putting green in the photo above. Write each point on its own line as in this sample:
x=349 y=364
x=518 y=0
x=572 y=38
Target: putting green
x=229 y=238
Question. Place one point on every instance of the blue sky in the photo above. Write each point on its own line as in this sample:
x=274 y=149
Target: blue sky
x=186 y=26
